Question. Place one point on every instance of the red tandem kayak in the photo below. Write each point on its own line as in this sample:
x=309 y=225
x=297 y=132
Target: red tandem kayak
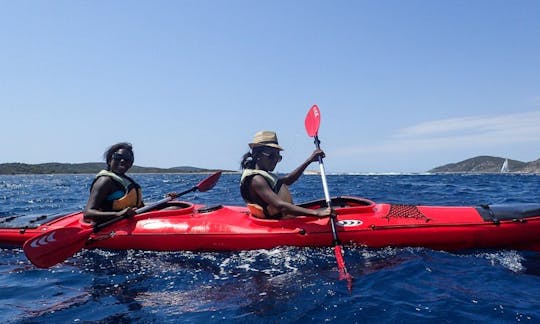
x=360 y=221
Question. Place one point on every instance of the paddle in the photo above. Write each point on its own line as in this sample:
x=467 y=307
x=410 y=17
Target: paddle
x=57 y=245
x=312 y=122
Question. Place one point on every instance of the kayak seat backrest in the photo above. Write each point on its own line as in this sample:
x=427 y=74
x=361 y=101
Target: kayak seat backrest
x=499 y=212
x=256 y=211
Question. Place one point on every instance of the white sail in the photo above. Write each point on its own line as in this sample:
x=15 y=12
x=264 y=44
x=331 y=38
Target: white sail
x=504 y=167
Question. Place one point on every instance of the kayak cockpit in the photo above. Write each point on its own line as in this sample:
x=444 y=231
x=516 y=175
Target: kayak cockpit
x=173 y=207
x=343 y=204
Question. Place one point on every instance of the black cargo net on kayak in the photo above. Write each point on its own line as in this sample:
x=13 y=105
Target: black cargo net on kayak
x=26 y=221
x=405 y=211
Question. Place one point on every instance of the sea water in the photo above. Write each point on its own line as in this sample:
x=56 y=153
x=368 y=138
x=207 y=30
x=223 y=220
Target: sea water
x=279 y=285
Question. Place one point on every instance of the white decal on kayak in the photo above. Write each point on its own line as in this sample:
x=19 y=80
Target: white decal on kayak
x=349 y=222
x=44 y=240
x=157 y=224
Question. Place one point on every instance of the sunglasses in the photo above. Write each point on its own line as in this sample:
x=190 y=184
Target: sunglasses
x=120 y=156
x=272 y=156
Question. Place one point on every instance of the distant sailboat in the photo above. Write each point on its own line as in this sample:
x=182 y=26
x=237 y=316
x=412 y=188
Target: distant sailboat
x=504 y=167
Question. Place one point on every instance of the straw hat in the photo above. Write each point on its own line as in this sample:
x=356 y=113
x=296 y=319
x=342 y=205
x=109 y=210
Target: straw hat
x=265 y=138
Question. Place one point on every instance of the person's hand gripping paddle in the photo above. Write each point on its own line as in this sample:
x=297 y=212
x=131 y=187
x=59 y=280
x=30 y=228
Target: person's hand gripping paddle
x=312 y=122
x=56 y=245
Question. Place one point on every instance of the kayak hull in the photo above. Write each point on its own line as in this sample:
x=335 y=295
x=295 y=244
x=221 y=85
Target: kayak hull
x=360 y=221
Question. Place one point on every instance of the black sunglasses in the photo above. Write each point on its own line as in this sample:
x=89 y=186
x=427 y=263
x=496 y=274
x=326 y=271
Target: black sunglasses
x=120 y=156
x=272 y=156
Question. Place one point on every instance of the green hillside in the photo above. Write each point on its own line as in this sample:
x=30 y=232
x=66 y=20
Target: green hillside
x=84 y=168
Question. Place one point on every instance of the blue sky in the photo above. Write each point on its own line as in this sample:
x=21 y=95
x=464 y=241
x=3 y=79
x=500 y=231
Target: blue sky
x=403 y=86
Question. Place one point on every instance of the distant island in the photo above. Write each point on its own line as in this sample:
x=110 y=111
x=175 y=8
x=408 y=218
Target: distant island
x=88 y=168
x=489 y=164
x=479 y=164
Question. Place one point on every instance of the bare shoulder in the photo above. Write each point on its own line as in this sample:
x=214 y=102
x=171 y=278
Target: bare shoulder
x=258 y=181
x=103 y=182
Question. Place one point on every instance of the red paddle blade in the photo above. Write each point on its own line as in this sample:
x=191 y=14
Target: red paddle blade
x=209 y=182
x=55 y=246
x=343 y=273
x=313 y=120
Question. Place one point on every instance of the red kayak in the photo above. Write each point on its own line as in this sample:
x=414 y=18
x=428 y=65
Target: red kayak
x=359 y=221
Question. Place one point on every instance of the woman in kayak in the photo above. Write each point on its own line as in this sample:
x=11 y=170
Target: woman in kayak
x=265 y=193
x=113 y=193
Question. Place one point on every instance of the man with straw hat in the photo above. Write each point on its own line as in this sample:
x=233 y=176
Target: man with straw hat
x=265 y=193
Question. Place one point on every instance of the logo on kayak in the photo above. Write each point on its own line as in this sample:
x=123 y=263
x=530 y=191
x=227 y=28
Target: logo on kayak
x=44 y=240
x=349 y=223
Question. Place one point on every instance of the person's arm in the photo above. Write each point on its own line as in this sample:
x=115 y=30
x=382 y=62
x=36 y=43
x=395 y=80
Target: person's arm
x=263 y=190
x=93 y=211
x=296 y=173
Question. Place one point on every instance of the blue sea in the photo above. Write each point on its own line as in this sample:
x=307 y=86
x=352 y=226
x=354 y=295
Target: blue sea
x=282 y=285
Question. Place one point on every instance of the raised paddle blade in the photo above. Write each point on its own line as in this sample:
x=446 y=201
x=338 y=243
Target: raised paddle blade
x=313 y=120
x=55 y=246
x=209 y=182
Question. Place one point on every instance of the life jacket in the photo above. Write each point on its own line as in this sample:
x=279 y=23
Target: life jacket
x=258 y=207
x=129 y=196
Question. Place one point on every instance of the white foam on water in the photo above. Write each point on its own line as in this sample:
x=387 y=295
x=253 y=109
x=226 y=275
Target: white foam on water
x=512 y=260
